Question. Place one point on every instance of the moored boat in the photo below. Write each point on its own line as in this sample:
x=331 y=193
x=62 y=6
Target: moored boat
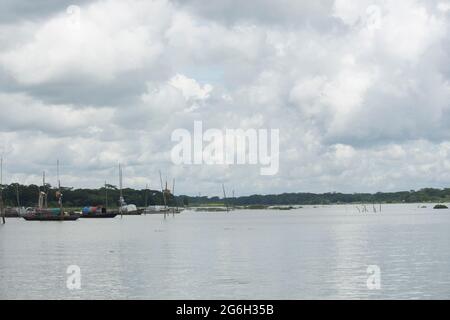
x=11 y=213
x=129 y=209
x=49 y=214
x=43 y=213
x=161 y=210
x=97 y=212
x=124 y=208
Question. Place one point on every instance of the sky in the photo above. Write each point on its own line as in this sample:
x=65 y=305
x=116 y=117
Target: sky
x=359 y=91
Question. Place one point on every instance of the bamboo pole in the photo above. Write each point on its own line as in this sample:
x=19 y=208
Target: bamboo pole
x=2 y=209
x=233 y=203
x=146 y=196
x=106 y=197
x=17 y=195
x=44 y=200
x=163 y=194
x=173 y=193
x=121 y=193
x=225 y=196
x=60 y=201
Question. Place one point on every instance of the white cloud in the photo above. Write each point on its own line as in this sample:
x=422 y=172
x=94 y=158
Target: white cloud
x=190 y=88
x=106 y=39
x=360 y=91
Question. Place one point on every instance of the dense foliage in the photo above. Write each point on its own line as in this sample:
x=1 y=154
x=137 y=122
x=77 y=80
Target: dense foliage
x=28 y=196
x=423 y=195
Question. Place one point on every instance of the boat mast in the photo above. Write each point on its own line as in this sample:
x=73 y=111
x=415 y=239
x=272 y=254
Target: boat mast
x=225 y=196
x=17 y=195
x=121 y=201
x=106 y=196
x=146 y=195
x=44 y=195
x=173 y=193
x=59 y=191
x=2 y=209
x=233 y=202
x=163 y=194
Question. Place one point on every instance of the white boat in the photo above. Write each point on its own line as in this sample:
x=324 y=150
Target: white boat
x=161 y=210
x=124 y=208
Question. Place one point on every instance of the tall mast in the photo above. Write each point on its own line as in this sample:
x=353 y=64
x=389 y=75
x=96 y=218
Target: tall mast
x=163 y=194
x=106 y=196
x=120 y=181
x=233 y=203
x=121 y=195
x=59 y=191
x=44 y=196
x=2 y=209
x=173 y=193
x=146 y=195
x=225 y=196
x=18 y=197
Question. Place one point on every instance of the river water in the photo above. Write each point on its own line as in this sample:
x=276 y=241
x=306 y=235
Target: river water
x=320 y=252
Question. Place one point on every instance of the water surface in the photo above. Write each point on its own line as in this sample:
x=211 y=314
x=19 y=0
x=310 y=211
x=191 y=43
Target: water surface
x=309 y=253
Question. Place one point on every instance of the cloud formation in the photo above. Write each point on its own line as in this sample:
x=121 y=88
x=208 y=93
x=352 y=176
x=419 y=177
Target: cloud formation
x=359 y=91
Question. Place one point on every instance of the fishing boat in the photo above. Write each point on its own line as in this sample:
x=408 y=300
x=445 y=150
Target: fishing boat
x=97 y=212
x=2 y=208
x=43 y=213
x=130 y=210
x=14 y=212
x=161 y=210
x=49 y=214
x=124 y=208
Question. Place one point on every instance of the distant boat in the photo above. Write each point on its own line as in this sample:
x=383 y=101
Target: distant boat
x=130 y=210
x=97 y=212
x=42 y=213
x=161 y=210
x=49 y=214
x=124 y=208
x=14 y=212
x=440 y=206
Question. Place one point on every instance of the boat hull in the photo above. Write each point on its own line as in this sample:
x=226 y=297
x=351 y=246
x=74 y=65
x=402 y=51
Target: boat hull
x=52 y=218
x=99 y=216
x=163 y=211
x=49 y=214
x=132 y=213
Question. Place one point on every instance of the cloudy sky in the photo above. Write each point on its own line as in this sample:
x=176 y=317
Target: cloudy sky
x=360 y=91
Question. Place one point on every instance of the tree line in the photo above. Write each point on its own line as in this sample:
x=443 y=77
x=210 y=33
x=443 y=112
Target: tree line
x=27 y=196
x=412 y=196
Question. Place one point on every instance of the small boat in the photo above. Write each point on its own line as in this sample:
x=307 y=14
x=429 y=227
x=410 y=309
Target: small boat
x=161 y=210
x=43 y=213
x=129 y=209
x=124 y=208
x=156 y=210
x=97 y=212
x=12 y=213
x=50 y=214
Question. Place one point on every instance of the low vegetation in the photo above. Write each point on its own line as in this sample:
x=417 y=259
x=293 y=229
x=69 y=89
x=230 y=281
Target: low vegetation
x=91 y=197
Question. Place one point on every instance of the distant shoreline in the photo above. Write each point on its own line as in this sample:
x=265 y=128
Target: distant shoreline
x=144 y=197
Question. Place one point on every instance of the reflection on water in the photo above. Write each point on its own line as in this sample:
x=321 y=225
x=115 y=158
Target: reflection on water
x=308 y=253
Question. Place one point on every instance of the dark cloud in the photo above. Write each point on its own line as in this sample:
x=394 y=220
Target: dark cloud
x=316 y=14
